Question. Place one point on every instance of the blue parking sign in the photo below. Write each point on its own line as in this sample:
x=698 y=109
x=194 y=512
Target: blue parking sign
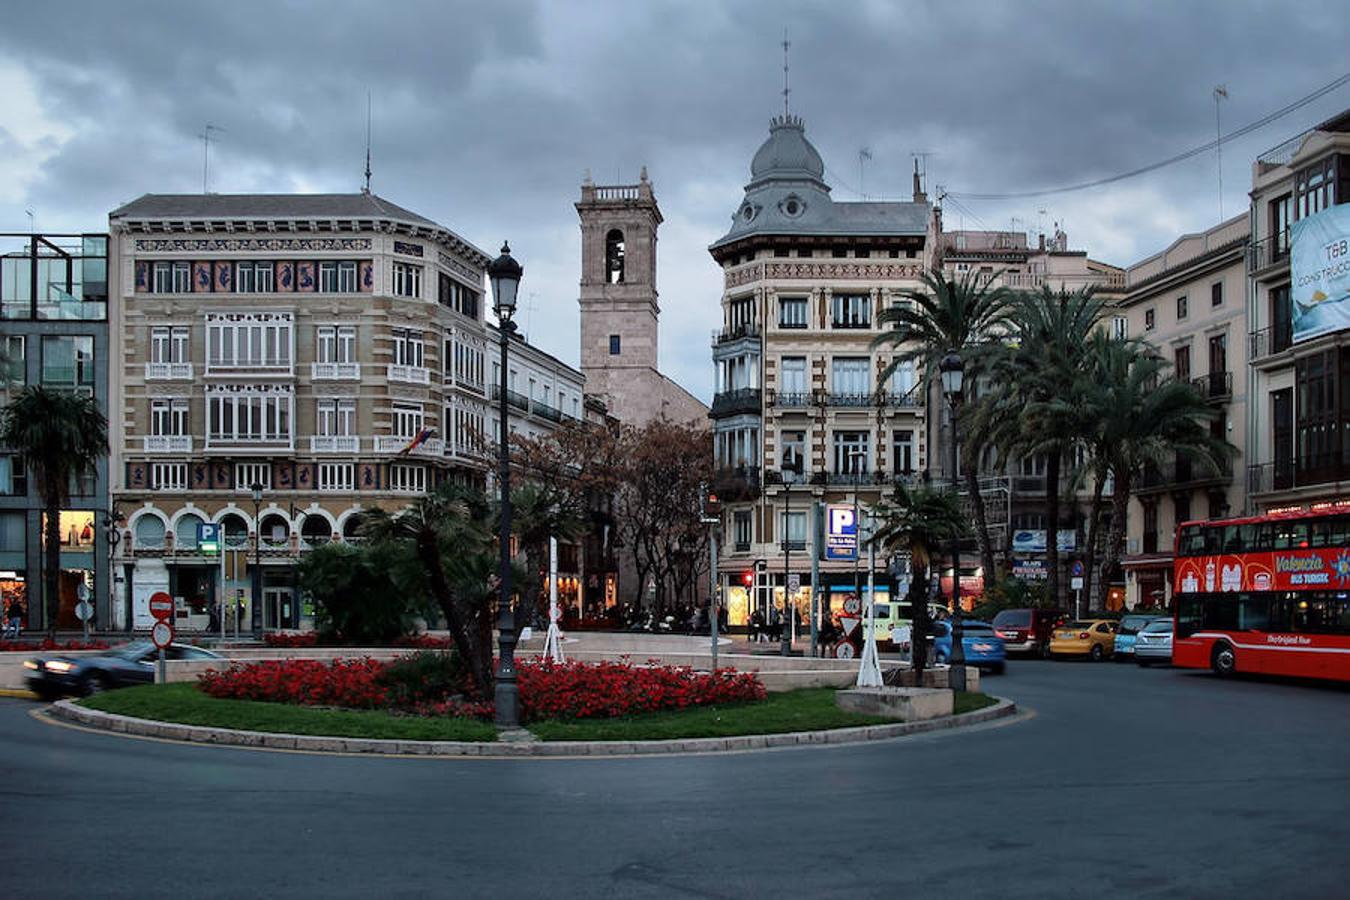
x=208 y=537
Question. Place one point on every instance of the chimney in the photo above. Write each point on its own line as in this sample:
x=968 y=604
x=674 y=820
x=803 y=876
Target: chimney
x=1042 y=241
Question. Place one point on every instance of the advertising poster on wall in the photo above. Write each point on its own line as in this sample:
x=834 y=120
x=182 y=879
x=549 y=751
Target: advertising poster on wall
x=1319 y=265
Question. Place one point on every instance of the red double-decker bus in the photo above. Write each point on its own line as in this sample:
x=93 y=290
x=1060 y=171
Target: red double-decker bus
x=1268 y=594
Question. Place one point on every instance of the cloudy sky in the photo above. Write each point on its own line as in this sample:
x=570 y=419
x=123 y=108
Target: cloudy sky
x=487 y=115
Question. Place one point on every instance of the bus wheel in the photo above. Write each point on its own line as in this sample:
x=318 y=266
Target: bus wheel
x=1223 y=660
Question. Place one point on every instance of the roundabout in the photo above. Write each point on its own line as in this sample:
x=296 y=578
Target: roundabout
x=1125 y=782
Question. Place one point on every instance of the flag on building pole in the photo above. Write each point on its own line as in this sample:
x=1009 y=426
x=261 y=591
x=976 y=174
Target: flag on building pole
x=421 y=438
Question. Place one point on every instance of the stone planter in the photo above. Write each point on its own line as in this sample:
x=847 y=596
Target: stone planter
x=907 y=704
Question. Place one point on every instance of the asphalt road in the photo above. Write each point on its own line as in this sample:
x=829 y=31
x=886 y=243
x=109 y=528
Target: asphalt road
x=1124 y=782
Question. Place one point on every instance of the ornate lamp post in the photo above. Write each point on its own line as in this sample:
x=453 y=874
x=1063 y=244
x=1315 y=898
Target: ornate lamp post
x=792 y=469
x=952 y=370
x=504 y=273
x=255 y=576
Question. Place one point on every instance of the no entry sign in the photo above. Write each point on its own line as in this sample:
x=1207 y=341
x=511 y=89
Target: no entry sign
x=161 y=605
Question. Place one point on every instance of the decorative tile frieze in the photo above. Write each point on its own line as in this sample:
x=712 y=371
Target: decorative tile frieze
x=251 y=245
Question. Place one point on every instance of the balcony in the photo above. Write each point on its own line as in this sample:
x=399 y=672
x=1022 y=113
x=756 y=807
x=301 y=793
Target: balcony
x=168 y=371
x=544 y=411
x=1182 y=474
x=737 y=484
x=739 y=401
x=1270 y=341
x=850 y=400
x=911 y=399
x=1288 y=474
x=787 y=399
x=398 y=444
x=519 y=401
x=261 y=368
x=1215 y=386
x=168 y=443
x=735 y=333
x=336 y=371
x=335 y=443
x=862 y=479
x=1268 y=256
x=408 y=374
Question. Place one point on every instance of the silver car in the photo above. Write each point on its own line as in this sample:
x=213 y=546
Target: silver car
x=1154 y=643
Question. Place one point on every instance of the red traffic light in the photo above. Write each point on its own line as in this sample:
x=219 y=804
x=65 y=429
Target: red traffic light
x=748 y=578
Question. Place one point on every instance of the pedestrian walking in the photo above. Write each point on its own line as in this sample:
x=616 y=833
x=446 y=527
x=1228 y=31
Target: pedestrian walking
x=13 y=618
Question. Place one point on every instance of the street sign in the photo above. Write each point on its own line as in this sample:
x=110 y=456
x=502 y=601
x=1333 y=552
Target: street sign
x=208 y=538
x=794 y=583
x=1076 y=570
x=82 y=592
x=1076 y=584
x=161 y=605
x=162 y=634
x=852 y=605
x=84 y=610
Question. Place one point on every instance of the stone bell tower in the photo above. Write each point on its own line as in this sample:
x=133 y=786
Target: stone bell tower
x=619 y=308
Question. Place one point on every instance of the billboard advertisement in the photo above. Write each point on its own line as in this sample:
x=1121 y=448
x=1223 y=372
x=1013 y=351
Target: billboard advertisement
x=1319 y=268
x=841 y=532
x=1033 y=541
x=1290 y=570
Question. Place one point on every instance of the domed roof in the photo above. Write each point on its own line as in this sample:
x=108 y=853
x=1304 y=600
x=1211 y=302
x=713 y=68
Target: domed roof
x=787 y=154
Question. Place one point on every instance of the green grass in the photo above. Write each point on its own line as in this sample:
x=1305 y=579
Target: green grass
x=812 y=709
x=185 y=704
x=965 y=702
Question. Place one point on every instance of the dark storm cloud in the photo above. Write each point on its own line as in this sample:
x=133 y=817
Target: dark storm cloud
x=487 y=114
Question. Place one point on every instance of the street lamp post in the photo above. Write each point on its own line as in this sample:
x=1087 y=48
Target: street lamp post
x=504 y=273
x=255 y=576
x=952 y=370
x=791 y=469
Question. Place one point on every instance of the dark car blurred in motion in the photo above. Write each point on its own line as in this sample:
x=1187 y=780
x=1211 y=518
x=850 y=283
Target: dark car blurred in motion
x=134 y=663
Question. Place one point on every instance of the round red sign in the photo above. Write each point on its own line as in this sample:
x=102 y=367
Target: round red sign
x=162 y=634
x=161 y=605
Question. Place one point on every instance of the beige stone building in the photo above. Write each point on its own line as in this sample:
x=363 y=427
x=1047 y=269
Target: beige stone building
x=620 y=311
x=1298 y=437
x=1189 y=302
x=805 y=277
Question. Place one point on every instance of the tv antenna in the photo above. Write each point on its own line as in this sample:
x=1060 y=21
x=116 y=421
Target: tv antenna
x=367 y=187
x=864 y=155
x=786 y=90
x=206 y=151
x=1220 y=93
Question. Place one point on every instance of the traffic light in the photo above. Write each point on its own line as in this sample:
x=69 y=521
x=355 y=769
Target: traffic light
x=748 y=578
x=712 y=507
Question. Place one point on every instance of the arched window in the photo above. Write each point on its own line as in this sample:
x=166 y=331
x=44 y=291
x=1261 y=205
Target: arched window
x=275 y=530
x=614 y=256
x=185 y=532
x=351 y=529
x=316 y=530
x=236 y=530
x=149 y=533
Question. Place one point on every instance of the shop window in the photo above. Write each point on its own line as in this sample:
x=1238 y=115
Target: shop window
x=76 y=527
x=12 y=528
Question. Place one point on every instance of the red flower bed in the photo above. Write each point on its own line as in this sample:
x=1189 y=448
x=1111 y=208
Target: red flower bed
x=423 y=642
x=572 y=690
x=352 y=683
x=291 y=639
x=48 y=644
x=576 y=690
x=311 y=639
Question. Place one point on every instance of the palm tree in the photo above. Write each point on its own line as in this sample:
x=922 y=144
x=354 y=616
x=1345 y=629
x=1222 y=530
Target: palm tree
x=540 y=512
x=1032 y=409
x=964 y=315
x=451 y=532
x=918 y=521
x=62 y=436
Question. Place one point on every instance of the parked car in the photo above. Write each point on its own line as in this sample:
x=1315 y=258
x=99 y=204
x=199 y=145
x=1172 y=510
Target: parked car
x=1093 y=638
x=1154 y=643
x=1130 y=626
x=984 y=648
x=1028 y=630
x=130 y=664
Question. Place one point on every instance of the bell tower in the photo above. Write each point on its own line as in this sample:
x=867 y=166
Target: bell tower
x=619 y=308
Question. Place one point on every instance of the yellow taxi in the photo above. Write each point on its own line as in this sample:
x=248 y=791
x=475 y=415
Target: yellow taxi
x=1093 y=638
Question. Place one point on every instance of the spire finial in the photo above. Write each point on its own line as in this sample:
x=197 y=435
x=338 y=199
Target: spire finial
x=786 y=90
x=367 y=187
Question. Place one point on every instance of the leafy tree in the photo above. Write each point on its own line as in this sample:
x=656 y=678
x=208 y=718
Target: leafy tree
x=61 y=436
x=966 y=316
x=358 y=594
x=540 y=511
x=919 y=521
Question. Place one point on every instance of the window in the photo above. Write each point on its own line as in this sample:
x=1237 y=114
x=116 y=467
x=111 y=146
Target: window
x=407 y=280
x=1216 y=294
x=1150 y=543
x=1313 y=188
x=169 y=344
x=253 y=277
x=794 y=451
x=902 y=379
x=13 y=363
x=851 y=310
x=1181 y=307
x=68 y=362
x=334 y=417
x=408 y=478
x=163 y=278
x=1120 y=327
x=407 y=420
x=850 y=376
x=1281 y=215
x=328 y=281
x=248 y=474
x=1181 y=509
x=742 y=529
x=737 y=447
x=248 y=340
x=337 y=477
x=613 y=345
x=248 y=414
x=165 y=477
x=1182 y=362
x=169 y=417
x=347 y=277
x=1148 y=319
x=851 y=452
x=792 y=312
x=902 y=458
x=13 y=476
x=614 y=256
x=335 y=344
x=793 y=377
x=1218 y=354
x=182 y=278
x=408 y=348
x=793 y=528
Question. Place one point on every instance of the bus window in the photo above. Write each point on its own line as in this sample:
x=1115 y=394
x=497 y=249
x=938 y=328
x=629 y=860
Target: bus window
x=1188 y=614
x=1254 y=612
x=1213 y=540
x=1232 y=540
x=1338 y=531
x=1220 y=612
x=1265 y=537
x=1284 y=535
x=1318 y=533
x=1192 y=542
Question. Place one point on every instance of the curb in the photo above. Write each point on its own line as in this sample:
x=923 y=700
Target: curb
x=20 y=693
x=70 y=711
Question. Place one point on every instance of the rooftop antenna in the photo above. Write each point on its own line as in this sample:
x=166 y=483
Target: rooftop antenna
x=366 y=189
x=206 y=151
x=32 y=220
x=529 y=314
x=921 y=174
x=1220 y=93
x=864 y=154
x=786 y=90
